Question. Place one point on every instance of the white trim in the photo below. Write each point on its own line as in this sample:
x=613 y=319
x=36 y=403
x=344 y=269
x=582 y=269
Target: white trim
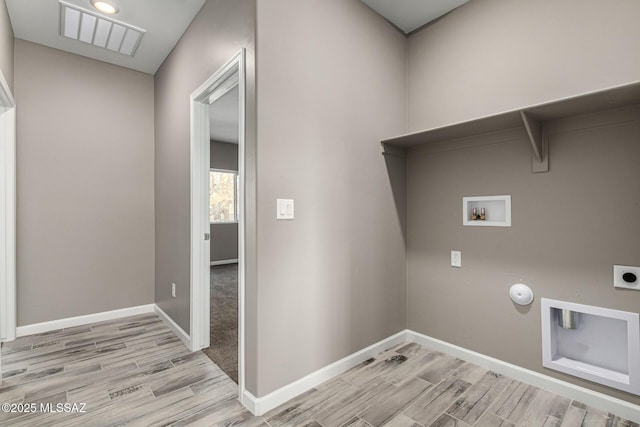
x=262 y=405
x=592 y=398
x=551 y=358
x=213 y=88
x=200 y=248
x=241 y=218
x=70 y=322
x=7 y=213
x=252 y=403
x=227 y=77
x=175 y=328
x=222 y=170
x=224 y=261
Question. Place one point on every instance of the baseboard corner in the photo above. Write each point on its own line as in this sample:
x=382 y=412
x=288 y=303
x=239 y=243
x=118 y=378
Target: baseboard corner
x=70 y=322
x=252 y=403
x=175 y=328
x=261 y=405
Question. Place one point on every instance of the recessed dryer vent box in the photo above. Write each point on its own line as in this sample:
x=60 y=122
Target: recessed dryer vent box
x=594 y=343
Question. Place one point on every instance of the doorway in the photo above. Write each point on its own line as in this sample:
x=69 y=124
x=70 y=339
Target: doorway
x=217 y=218
x=7 y=214
x=224 y=210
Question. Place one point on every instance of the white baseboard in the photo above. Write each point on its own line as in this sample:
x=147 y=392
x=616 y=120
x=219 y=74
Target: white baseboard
x=70 y=322
x=261 y=405
x=252 y=403
x=224 y=261
x=184 y=337
x=592 y=398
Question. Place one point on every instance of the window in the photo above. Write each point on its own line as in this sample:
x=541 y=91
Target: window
x=223 y=196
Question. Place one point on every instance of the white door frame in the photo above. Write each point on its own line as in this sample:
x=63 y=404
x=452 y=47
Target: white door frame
x=7 y=213
x=227 y=77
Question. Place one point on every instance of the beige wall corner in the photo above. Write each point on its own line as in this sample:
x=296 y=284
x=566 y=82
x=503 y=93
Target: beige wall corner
x=218 y=32
x=331 y=81
x=84 y=185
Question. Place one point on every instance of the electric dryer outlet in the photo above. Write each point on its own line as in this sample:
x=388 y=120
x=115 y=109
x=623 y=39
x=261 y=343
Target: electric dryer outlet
x=627 y=277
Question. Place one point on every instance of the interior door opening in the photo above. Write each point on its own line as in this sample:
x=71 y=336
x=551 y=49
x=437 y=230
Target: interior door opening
x=8 y=307
x=224 y=209
x=218 y=218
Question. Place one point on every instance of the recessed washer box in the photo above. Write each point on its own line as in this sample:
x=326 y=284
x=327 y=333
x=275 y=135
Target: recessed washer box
x=604 y=347
x=497 y=211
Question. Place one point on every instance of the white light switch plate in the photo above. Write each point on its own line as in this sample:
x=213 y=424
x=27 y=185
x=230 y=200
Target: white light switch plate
x=456 y=259
x=284 y=209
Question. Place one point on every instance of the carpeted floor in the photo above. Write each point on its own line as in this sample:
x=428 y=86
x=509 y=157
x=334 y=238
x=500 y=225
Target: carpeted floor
x=224 y=319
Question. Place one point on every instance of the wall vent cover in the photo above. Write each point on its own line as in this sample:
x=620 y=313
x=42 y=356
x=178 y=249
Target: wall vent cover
x=86 y=26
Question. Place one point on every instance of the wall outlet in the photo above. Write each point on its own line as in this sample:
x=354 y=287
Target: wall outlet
x=456 y=259
x=173 y=290
x=627 y=277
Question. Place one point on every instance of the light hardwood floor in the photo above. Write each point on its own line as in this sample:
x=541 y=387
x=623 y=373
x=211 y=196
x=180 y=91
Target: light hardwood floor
x=134 y=371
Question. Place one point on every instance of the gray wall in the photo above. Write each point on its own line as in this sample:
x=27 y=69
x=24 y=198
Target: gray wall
x=223 y=155
x=6 y=44
x=570 y=226
x=224 y=237
x=490 y=56
x=217 y=33
x=224 y=242
x=85 y=185
x=331 y=81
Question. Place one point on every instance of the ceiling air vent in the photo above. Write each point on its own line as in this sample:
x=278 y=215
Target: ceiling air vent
x=81 y=24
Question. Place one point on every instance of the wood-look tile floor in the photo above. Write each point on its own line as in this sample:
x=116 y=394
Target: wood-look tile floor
x=134 y=371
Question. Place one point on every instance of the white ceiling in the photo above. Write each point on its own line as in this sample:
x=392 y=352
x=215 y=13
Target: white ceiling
x=165 y=21
x=38 y=21
x=223 y=117
x=409 y=15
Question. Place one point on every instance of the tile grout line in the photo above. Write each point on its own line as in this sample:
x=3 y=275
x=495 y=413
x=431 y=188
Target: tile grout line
x=78 y=370
x=494 y=401
x=458 y=397
x=456 y=418
x=564 y=413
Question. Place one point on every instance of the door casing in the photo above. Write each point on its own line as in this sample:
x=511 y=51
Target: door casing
x=230 y=75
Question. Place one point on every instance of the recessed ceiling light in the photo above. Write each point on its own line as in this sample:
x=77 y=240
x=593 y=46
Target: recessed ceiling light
x=104 y=7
